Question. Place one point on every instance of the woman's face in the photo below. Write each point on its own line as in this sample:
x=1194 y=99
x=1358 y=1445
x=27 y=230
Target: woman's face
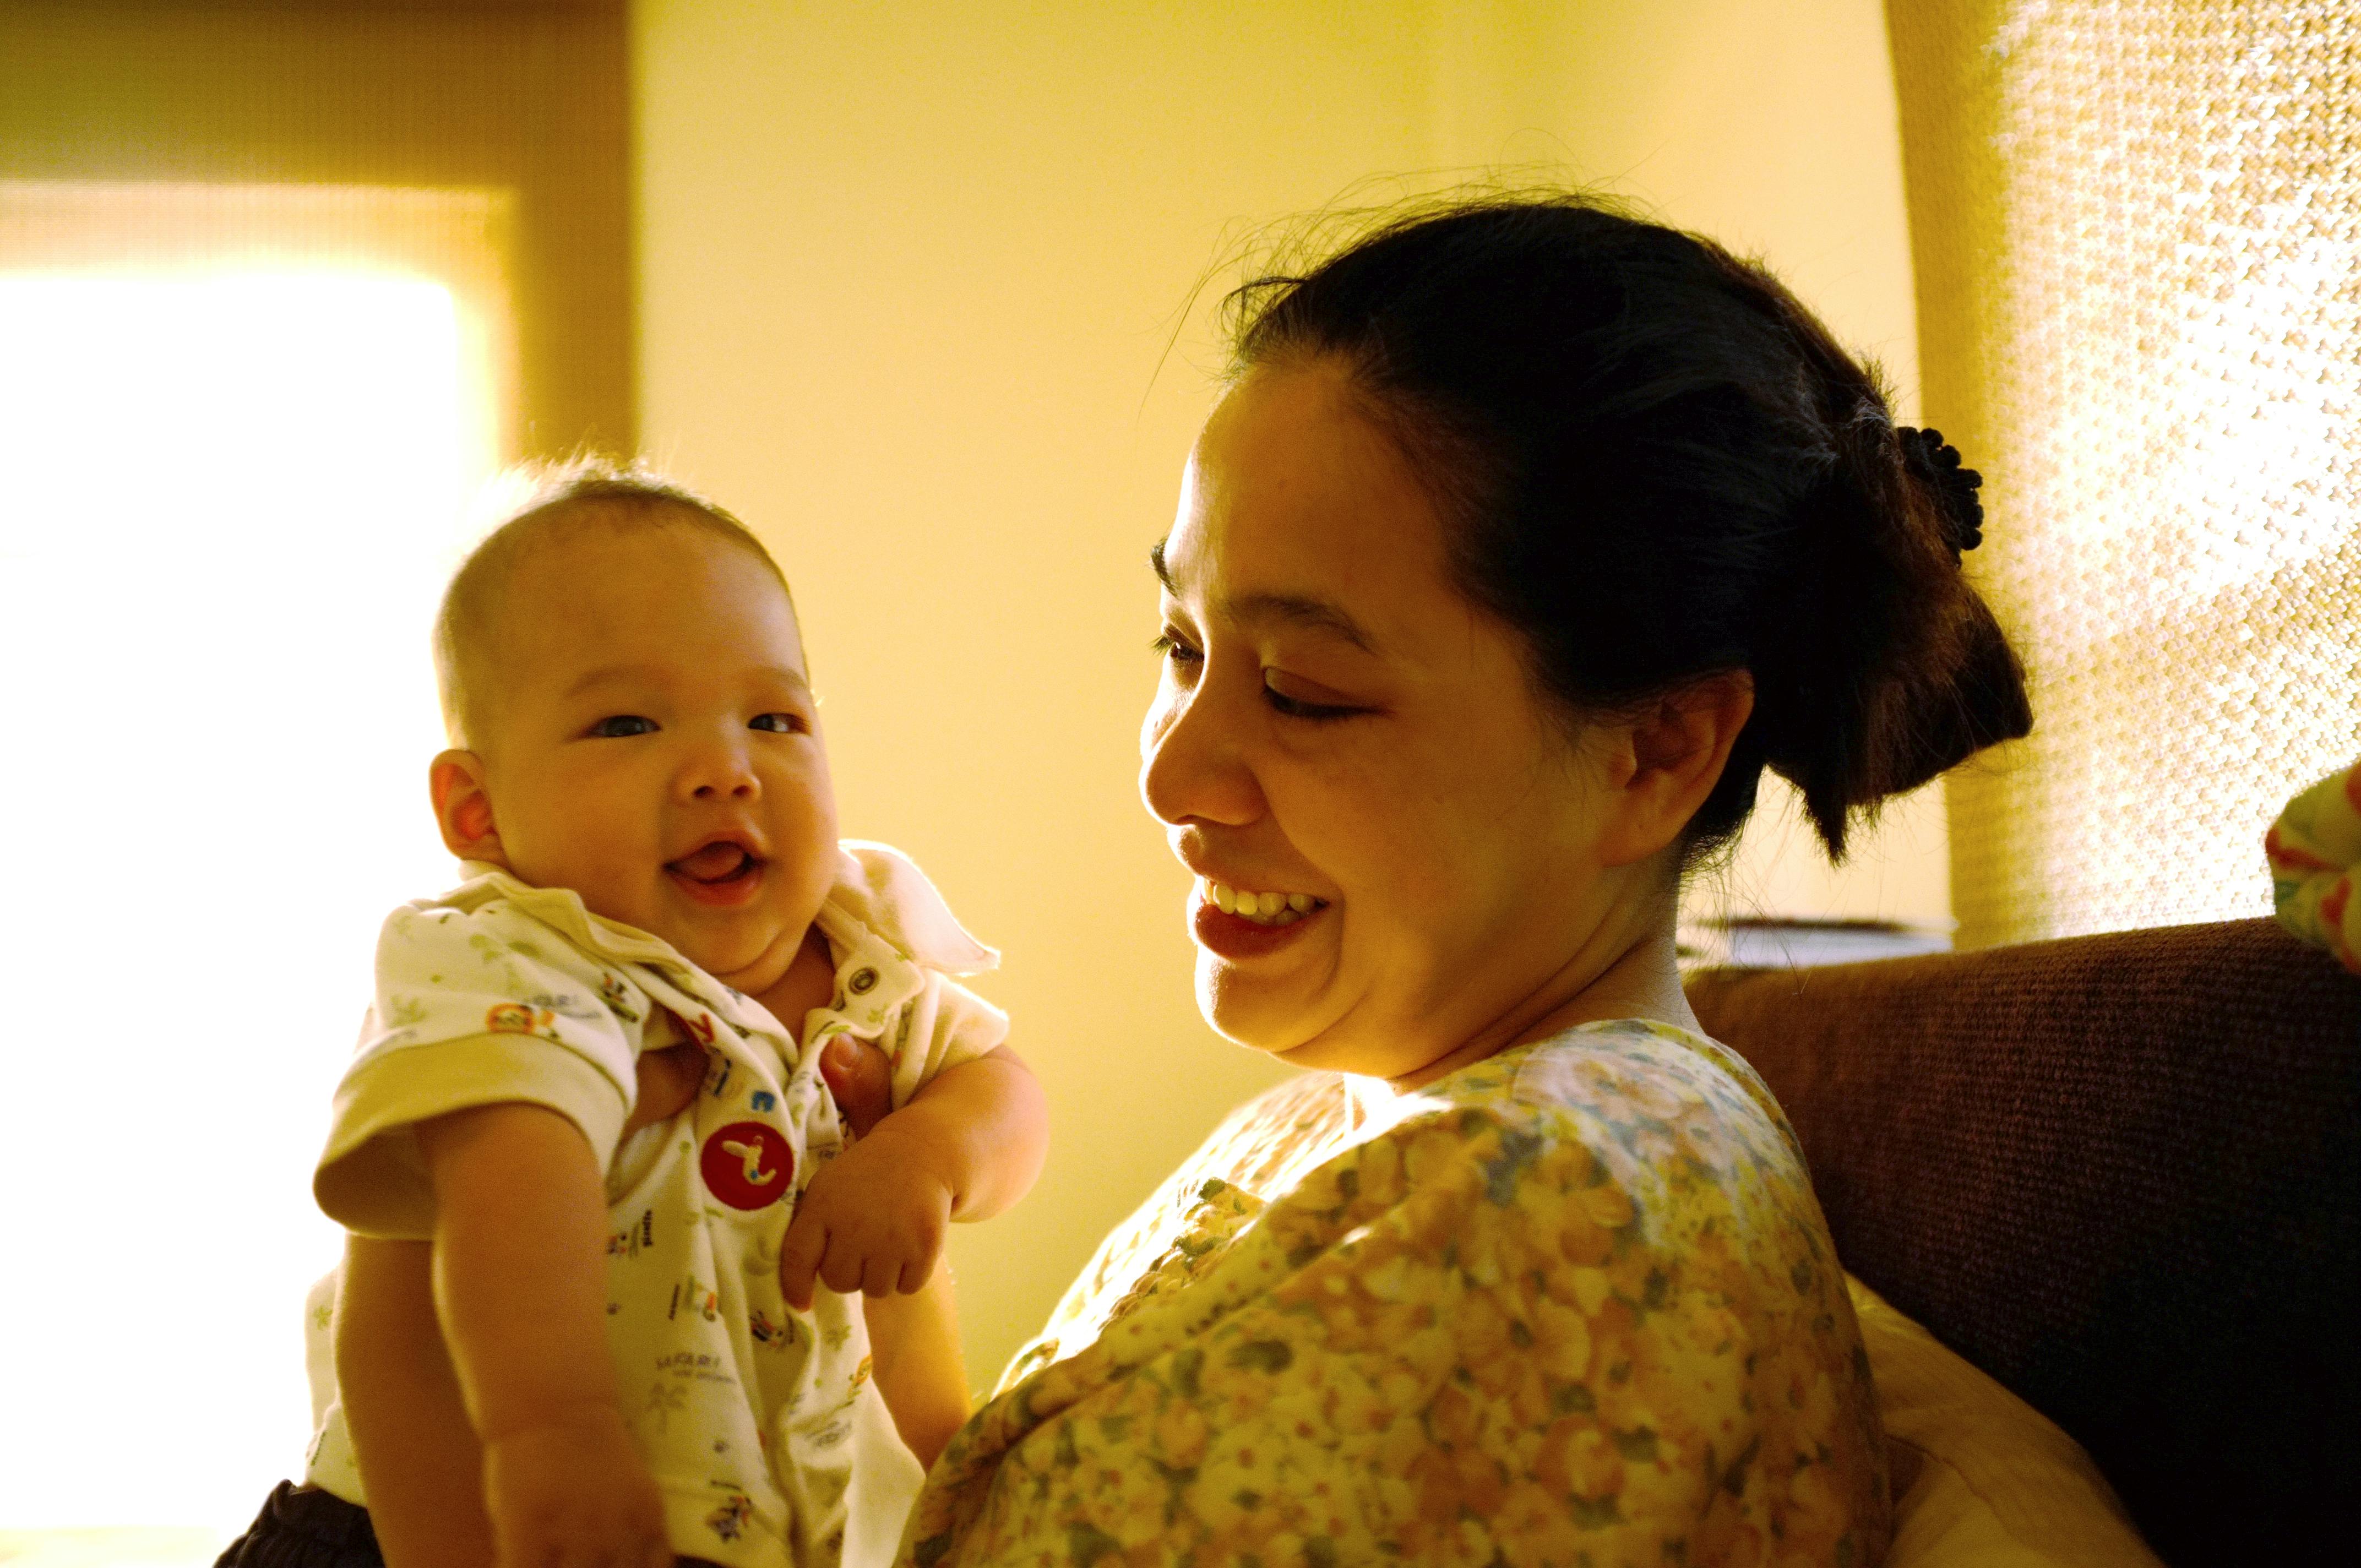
x=1339 y=731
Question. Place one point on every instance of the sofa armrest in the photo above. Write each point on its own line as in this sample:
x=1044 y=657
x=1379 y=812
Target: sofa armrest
x=2123 y=1175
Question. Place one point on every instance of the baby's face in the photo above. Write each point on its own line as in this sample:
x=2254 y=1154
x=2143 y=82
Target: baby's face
x=653 y=744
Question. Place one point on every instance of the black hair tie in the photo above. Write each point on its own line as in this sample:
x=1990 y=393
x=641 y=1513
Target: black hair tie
x=1955 y=488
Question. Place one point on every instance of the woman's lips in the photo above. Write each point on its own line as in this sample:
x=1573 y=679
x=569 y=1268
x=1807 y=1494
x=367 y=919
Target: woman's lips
x=1234 y=938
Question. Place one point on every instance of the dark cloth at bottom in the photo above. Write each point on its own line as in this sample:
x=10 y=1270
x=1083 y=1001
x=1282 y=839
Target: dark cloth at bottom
x=302 y=1527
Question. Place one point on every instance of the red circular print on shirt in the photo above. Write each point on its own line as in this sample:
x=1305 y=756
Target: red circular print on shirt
x=748 y=1165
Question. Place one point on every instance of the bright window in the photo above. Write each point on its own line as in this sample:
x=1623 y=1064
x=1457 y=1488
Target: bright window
x=231 y=497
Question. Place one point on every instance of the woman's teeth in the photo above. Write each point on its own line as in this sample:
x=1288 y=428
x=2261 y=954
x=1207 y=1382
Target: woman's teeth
x=1262 y=908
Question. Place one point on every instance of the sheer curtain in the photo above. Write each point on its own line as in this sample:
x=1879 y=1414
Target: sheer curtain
x=280 y=285
x=2136 y=232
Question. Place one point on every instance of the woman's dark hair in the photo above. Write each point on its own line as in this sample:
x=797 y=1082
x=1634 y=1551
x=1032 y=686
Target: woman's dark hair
x=1659 y=466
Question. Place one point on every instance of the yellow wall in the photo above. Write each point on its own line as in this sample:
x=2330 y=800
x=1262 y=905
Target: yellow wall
x=908 y=276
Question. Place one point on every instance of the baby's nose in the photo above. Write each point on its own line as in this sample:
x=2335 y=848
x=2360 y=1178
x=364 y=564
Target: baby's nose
x=721 y=772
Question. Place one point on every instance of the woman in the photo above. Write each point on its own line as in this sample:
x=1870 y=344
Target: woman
x=1526 y=536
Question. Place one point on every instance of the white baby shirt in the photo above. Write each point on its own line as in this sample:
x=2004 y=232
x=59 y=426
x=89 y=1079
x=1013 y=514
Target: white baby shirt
x=760 y=1424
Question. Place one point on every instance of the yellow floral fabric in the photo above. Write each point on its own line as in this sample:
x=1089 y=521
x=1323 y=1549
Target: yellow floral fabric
x=1572 y=1305
x=2314 y=850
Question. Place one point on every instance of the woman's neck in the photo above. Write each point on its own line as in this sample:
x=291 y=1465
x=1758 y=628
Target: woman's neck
x=1640 y=977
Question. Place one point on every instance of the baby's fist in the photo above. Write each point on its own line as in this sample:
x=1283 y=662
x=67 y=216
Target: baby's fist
x=872 y=1221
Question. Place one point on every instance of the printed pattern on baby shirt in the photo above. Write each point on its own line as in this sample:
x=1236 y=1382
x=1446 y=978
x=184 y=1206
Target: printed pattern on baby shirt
x=762 y=1424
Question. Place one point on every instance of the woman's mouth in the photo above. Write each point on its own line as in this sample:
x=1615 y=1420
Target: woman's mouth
x=1239 y=922
x=723 y=873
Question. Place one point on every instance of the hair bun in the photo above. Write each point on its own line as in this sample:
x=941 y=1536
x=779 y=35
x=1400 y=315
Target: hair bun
x=1962 y=510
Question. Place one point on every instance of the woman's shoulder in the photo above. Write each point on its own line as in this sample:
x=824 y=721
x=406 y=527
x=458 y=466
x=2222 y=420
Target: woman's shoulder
x=1256 y=1144
x=1622 y=1092
x=1654 y=1139
x=1622 y=1084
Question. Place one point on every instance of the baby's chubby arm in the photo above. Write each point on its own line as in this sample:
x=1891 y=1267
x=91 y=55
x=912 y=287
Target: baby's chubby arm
x=418 y=1454
x=519 y=1287
x=969 y=1143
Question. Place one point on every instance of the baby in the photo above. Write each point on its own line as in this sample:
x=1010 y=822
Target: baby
x=589 y=1164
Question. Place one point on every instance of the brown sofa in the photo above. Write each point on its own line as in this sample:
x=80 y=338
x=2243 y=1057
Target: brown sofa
x=2122 y=1174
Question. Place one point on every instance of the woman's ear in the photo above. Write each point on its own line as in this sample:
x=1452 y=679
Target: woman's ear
x=1663 y=763
x=463 y=807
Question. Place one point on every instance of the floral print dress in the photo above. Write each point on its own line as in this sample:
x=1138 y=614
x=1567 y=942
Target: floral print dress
x=1575 y=1305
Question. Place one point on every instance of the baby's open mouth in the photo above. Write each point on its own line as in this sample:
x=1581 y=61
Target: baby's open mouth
x=718 y=862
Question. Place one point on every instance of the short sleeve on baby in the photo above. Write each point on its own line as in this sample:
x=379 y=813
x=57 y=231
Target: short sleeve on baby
x=474 y=1006
x=946 y=1024
x=892 y=929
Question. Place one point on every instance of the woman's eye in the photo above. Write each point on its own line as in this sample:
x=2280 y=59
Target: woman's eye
x=1296 y=708
x=778 y=723
x=620 y=726
x=1174 y=649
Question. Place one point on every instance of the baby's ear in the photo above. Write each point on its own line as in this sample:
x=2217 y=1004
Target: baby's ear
x=463 y=807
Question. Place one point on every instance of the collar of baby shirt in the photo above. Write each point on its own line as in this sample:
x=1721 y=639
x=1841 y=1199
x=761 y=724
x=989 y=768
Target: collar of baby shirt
x=885 y=921
x=562 y=909
x=881 y=887
x=887 y=926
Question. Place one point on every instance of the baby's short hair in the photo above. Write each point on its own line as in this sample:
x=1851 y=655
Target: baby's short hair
x=554 y=495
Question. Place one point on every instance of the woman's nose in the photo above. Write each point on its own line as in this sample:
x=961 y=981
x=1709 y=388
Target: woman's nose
x=1191 y=768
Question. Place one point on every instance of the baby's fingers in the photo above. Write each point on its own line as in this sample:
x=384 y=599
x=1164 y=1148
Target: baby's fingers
x=800 y=1252
x=844 y=1269
x=880 y=1275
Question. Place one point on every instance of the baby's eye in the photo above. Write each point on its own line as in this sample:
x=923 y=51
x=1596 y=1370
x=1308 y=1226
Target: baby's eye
x=621 y=725
x=778 y=723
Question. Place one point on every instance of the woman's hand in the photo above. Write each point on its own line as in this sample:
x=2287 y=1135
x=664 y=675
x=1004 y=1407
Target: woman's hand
x=858 y=1074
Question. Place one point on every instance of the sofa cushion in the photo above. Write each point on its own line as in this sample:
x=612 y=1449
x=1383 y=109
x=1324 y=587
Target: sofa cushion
x=1980 y=1478
x=2123 y=1175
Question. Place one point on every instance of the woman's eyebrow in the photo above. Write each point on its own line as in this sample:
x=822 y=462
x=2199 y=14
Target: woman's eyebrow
x=1299 y=610
x=1306 y=611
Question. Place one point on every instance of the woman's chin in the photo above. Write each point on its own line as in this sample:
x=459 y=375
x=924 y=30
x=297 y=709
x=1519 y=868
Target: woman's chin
x=1267 y=1014
x=1250 y=1011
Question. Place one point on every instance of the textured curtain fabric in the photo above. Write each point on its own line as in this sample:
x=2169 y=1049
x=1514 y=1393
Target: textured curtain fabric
x=2136 y=228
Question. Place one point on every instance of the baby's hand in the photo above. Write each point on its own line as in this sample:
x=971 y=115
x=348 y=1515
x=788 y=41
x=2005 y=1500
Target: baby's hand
x=872 y=1221
x=574 y=1494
